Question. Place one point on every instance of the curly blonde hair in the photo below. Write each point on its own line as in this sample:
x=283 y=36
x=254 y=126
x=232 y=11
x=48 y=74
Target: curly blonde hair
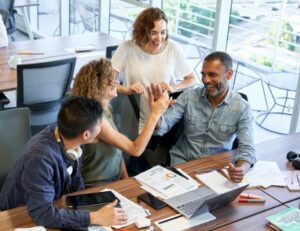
x=93 y=79
x=144 y=23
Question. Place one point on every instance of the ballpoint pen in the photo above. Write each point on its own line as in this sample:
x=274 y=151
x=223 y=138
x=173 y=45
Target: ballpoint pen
x=210 y=169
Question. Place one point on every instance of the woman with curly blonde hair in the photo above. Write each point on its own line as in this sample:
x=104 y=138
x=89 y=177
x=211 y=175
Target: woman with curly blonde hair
x=103 y=161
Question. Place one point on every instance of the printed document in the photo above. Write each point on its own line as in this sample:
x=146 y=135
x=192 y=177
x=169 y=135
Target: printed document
x=133 y=210
x=166 y=182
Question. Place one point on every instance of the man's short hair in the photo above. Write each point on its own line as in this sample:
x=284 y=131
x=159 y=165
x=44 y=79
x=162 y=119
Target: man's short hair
x=76 y=115
x=222 y=57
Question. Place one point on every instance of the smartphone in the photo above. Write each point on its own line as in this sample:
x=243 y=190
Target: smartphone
x=151 y=200
x=91 y=201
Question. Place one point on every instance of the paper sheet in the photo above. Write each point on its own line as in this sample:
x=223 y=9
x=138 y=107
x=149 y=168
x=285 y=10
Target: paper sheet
x=265 y=174
x=179 y=222
x=35 y=228
x=133 y=210
x=292 y=180
x=217 y=182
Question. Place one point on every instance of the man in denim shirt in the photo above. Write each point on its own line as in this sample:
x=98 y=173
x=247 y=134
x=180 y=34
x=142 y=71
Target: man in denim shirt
x=213 y=117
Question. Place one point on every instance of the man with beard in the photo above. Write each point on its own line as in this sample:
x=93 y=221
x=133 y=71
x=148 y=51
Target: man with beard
x=213 y=116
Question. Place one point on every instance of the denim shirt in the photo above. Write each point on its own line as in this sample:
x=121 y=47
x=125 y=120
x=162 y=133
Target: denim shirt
x=206 y=131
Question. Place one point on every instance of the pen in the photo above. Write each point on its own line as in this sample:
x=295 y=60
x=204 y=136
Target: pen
x=170 y=219
x=177 y=172
x=30 y=53
x=210 y=169
x=204 y=170
x=250 y=196
x=245 y=200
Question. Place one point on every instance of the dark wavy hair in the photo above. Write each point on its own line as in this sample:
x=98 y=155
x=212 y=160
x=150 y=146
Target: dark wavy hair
x=144 y=23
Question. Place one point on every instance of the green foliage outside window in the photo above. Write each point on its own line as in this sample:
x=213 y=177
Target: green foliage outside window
x=284 y=37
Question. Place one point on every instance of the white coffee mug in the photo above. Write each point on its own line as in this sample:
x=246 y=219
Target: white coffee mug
x=14 y=60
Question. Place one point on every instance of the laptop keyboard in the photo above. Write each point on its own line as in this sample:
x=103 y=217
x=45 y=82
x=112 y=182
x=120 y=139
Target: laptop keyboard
x=189 y=208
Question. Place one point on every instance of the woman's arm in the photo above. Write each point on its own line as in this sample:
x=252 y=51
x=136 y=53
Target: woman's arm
x=136 y=147
x=135 y=88
x=188 y=81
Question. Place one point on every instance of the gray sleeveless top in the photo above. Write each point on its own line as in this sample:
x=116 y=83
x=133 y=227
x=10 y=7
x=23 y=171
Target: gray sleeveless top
x=101 y=162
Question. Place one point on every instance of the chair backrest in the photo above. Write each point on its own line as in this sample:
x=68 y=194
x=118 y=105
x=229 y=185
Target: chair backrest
x=110 y=51
x=14 y=133
x=7 y=12
x=236 y=141
x=41 y=87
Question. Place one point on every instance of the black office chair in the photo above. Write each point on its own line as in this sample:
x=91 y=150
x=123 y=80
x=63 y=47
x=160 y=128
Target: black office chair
x=41 y=87
x=110 y=51
x=14 y=133
x=8 y=15
x=157 y=144
x=236 y=141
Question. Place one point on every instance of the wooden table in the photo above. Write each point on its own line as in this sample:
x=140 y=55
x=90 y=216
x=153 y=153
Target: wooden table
x=52 y=48
x=234 y=216
x=130 y=188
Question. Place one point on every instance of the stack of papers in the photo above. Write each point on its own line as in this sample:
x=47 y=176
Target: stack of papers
x=133 y=210
x=164 y=183
x=265 y=174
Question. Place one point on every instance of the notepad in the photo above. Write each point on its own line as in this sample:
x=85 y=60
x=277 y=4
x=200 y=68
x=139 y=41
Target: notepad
x=286 y=220
x=179 y=222
x=217 y=182
x=84 y=48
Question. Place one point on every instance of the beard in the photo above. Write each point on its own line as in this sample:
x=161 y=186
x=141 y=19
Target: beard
x=214 y=89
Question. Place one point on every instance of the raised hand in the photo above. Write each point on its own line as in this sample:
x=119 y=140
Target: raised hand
x=159 y=101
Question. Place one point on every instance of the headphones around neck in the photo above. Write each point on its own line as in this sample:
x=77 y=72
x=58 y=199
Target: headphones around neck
x=294 y=158
x=71 y=154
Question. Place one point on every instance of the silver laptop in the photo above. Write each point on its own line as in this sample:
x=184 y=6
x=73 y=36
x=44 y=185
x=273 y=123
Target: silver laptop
x=202 y=200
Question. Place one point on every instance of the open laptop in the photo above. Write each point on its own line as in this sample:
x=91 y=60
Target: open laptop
x=202 y=200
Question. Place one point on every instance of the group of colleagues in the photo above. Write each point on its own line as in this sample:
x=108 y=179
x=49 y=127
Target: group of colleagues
x=84 y=148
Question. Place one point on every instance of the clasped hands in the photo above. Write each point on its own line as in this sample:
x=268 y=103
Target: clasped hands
x=138 y=88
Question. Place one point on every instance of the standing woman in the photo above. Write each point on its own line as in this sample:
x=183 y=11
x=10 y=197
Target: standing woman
x=151 y=58
x=103 y=162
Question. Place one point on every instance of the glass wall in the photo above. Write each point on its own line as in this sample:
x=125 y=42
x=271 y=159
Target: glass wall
x=266 y=32
x=48 y=20
x=263 y=38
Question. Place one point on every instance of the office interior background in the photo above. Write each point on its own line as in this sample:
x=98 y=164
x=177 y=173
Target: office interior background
x=262 y=36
